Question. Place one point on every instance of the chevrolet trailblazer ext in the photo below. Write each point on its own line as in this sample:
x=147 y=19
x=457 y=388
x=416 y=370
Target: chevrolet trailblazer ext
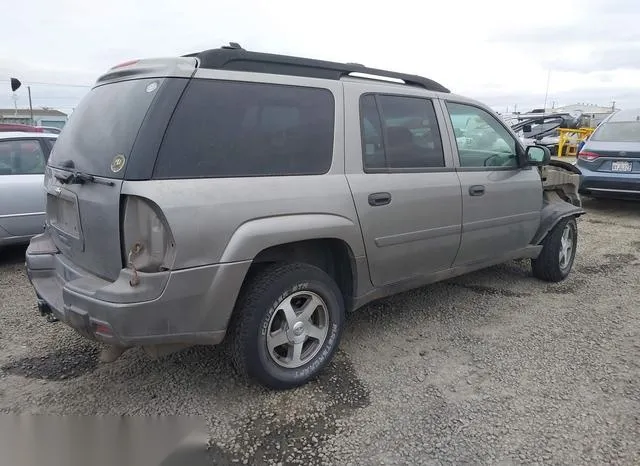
x=255 y=198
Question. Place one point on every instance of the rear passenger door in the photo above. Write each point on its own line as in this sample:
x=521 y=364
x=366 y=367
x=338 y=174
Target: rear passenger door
x=405 y=189
x=501 y=196
x=22 y=163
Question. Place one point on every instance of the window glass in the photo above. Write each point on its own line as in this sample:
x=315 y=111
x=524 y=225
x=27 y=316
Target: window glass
x=619 y=131
x=371 y=128
x=227 y=129
x=105 y=124
x=482 y=141
x=21 y=157
x=404 y=134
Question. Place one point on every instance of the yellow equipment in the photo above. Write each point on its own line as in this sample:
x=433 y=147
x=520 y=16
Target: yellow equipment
x=571 y=138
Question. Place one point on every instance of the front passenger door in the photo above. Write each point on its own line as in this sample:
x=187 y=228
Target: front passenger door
x=501 y=196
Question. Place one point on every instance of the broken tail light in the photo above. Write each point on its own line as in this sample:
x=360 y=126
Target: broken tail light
x=147 y=242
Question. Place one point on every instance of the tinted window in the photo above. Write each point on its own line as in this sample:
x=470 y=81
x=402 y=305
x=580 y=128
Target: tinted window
x=620 y=131
x=481 y=139
x=21 y=157
x=104 y=124
x=225 y=129
x=371 y=130
x=400 y=132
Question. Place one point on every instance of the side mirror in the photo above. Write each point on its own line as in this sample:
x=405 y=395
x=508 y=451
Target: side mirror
x=538 y=155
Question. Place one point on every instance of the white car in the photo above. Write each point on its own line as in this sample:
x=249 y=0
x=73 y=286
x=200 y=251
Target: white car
x=23 y=158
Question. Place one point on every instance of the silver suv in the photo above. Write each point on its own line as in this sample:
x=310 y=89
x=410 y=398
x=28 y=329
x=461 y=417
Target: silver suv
x=254 y=198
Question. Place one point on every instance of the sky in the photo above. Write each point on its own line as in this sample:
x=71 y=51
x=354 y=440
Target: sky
x=502 y=52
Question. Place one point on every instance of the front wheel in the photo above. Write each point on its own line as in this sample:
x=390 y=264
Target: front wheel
x=558 y=252
x=287 y=325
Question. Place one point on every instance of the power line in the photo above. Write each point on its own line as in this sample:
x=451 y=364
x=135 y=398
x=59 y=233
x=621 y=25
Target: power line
x=50 y=84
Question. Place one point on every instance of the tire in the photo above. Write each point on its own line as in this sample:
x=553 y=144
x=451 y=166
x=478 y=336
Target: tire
x=549 y=266
x=260 y=319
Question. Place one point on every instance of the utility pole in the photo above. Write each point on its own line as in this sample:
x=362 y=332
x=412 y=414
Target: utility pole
x=15 y=85
x=30 y=106
x=546 y=93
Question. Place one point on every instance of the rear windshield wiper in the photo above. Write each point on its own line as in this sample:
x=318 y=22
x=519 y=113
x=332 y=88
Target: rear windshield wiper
x=81 y=178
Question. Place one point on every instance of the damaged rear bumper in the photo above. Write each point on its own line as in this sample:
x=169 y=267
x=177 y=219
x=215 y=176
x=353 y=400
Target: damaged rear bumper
x=190 y=306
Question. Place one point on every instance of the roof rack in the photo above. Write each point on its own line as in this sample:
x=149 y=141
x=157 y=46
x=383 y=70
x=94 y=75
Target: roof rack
x=233 y=57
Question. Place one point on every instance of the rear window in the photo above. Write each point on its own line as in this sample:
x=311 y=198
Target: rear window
x=236 y=129
x=621 y=131
x=103 y=126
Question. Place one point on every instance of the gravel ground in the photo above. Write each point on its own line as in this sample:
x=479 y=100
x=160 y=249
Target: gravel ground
x=493 y=367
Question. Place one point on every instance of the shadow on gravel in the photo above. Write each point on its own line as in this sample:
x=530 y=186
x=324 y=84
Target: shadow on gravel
x=616 y=206
x=59 y=365
x=290 y=433
x=482 y=289
x=12 y=255
x=613 y=262
x=570 y=286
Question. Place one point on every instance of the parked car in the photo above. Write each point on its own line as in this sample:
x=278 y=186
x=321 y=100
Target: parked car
x=23 y=157
x=255 y=198
x=610 y=159
x=13 y=127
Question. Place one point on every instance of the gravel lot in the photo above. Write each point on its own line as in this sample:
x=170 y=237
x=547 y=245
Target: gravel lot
x=493 y=367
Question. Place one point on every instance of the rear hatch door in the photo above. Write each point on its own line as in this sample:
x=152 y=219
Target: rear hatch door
x=86 y=170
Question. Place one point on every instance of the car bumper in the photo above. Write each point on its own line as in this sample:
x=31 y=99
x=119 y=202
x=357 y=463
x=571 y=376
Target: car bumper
x=193 y=306
x=609 y=183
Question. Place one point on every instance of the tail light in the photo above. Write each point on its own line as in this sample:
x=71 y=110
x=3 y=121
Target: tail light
x=147 y=242
x=588 y=156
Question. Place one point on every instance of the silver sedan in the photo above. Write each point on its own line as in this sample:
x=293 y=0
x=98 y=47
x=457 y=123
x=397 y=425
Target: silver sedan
x=23 y=158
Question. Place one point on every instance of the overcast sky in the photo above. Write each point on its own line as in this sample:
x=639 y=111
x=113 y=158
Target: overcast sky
x=498 y=51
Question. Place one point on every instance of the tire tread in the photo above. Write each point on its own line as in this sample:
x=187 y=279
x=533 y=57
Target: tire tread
x=247 y=306
x=546 y=266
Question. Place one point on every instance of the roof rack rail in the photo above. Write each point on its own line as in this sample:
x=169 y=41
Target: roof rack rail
x=234 y=58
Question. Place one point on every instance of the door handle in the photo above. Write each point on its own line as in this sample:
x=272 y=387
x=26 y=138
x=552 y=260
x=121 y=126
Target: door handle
x=378 y=199
x=476 y=190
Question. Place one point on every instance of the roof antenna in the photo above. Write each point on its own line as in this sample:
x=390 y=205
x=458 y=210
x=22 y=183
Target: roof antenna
x=233 y=45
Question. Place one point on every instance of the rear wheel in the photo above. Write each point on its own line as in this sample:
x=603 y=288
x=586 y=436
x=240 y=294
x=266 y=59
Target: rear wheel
x=558 y=252
x=287 y=325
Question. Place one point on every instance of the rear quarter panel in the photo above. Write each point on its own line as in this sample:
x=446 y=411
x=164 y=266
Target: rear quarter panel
x=233 y=219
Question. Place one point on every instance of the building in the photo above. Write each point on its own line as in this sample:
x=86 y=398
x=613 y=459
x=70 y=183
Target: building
x=592 y=114
x=41 y=116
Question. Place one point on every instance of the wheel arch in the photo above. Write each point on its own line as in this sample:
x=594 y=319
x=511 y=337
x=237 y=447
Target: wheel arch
x=553 y=211
x=332 y=255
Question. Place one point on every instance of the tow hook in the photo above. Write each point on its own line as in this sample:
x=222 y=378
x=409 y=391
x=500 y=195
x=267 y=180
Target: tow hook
x=46 y=311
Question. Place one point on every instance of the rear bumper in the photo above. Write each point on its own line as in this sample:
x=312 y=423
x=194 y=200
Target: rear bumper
x=609 y=183
x=190 y=306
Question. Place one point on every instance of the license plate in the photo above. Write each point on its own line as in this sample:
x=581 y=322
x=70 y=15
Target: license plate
x=621 y=166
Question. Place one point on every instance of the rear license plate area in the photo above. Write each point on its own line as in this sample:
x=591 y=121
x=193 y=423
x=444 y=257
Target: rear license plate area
x=621 y=166
x=63 y=215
